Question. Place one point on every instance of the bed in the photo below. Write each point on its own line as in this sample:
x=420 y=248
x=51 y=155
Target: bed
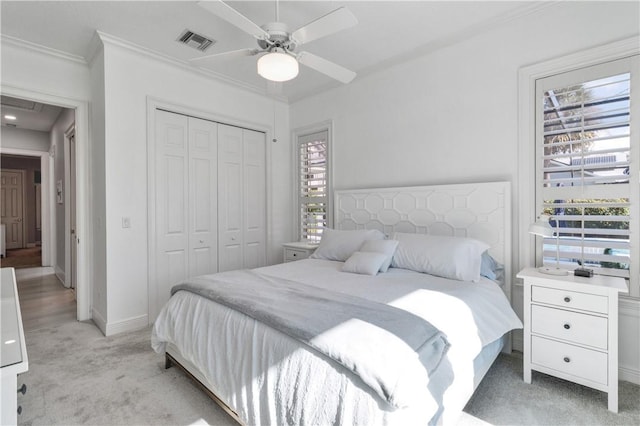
x=303 y=363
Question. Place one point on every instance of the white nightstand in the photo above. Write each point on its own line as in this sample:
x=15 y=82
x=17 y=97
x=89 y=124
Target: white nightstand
x=571 y=329
x=298 y=251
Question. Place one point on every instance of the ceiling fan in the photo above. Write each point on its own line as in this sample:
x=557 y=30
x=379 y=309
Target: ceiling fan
x=277 y=46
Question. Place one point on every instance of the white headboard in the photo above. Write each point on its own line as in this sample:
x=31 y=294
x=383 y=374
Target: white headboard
x=476 y=210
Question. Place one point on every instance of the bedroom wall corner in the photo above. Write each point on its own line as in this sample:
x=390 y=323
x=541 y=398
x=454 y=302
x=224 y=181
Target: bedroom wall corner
x=133 y=75
x=97 y=159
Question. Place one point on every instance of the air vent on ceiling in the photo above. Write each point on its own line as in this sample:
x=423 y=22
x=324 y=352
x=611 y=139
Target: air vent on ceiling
x=196 y=41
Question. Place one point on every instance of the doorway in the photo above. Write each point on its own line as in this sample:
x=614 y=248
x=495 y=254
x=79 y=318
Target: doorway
x=13 y=206
x=45 y=135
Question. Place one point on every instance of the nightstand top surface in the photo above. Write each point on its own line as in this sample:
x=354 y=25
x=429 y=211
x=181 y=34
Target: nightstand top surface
x=614 y=283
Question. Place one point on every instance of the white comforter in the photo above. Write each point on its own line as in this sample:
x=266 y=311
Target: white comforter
x=270 y=378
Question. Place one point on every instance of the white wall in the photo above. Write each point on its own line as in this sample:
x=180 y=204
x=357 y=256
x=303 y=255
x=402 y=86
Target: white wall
x=130 y=78
x=30 y=69
x=99 y=255
x=451 y=115
x=32 y=140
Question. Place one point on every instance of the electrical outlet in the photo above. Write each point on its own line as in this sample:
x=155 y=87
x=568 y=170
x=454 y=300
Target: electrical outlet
x=126 y=222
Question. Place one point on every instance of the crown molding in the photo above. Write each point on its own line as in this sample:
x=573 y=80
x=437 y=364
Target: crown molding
x=34 y=47
x=184 y=65
x=95 y=47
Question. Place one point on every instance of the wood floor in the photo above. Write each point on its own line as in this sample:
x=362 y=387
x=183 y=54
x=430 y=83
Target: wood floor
x=44 y=301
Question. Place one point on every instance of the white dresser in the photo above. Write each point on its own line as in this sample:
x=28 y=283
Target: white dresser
x=13 y=352
x=571 y=329
x=298 y=250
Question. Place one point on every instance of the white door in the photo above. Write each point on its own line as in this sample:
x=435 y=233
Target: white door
x=185 y=203
x=254 y=199
x=241 y=198
x=11 y=197
x=230 y=198
x=203 y=188
x=172 y=235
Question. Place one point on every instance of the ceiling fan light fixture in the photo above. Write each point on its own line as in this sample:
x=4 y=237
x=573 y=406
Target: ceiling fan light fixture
x=278 y=66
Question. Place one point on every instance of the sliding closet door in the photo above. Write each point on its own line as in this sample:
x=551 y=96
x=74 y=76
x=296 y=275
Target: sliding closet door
x=230 y=200
x=254 y=199
x=172 y=234
x=203 y=188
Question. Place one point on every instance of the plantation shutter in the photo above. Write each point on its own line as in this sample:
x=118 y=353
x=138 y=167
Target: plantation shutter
x=585 y=179
x=313 y=189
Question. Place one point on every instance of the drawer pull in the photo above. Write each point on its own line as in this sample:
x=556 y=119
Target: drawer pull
x=294 y=254
x=19 y=409
x=567 y=359
x=22 y=389
x=567 y=299
x=567 y=326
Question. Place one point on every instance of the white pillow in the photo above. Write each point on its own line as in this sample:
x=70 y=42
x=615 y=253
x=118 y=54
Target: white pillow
x=339 y=245
x=387 y=247
x=450 y=257
x=366 y=263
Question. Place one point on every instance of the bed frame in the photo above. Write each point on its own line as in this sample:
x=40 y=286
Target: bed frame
x=475 y=210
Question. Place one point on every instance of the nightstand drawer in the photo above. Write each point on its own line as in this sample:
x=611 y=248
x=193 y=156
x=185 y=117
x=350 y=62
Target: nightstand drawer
x=563 y=357
x=570 y=299
x=292 y=254
x=573 y=327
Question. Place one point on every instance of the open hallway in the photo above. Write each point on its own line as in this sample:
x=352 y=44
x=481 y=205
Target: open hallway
x=44 y=301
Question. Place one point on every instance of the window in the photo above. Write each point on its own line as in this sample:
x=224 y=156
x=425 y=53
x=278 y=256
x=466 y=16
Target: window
x=313 y=186
x=585 y=178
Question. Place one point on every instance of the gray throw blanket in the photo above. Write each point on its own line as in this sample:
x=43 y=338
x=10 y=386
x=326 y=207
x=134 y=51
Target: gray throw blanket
x=391 y=350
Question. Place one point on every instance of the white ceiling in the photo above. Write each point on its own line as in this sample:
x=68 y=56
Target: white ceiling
x=388 y=31
x=29 y=115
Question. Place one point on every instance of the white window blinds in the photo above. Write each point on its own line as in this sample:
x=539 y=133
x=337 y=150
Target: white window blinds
x=585 y=177
x=312 y=185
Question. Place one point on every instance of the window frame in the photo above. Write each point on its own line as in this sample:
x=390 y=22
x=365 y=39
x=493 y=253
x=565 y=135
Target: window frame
x=298 y=134
x=575 y=78
x=527 y=144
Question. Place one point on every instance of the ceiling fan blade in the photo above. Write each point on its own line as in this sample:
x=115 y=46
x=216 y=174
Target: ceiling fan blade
x=232 y=16
x=326 y=67
x=337 y=20
x=218 y=57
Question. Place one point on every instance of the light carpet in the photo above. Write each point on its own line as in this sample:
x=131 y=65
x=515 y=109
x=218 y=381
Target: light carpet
x=78 y=376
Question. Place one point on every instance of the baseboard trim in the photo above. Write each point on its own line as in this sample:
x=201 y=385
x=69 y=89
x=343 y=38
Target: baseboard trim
x=131 y=324
x=629 y=375
x=31 y=245
x=60 y=274
x=99 y=321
